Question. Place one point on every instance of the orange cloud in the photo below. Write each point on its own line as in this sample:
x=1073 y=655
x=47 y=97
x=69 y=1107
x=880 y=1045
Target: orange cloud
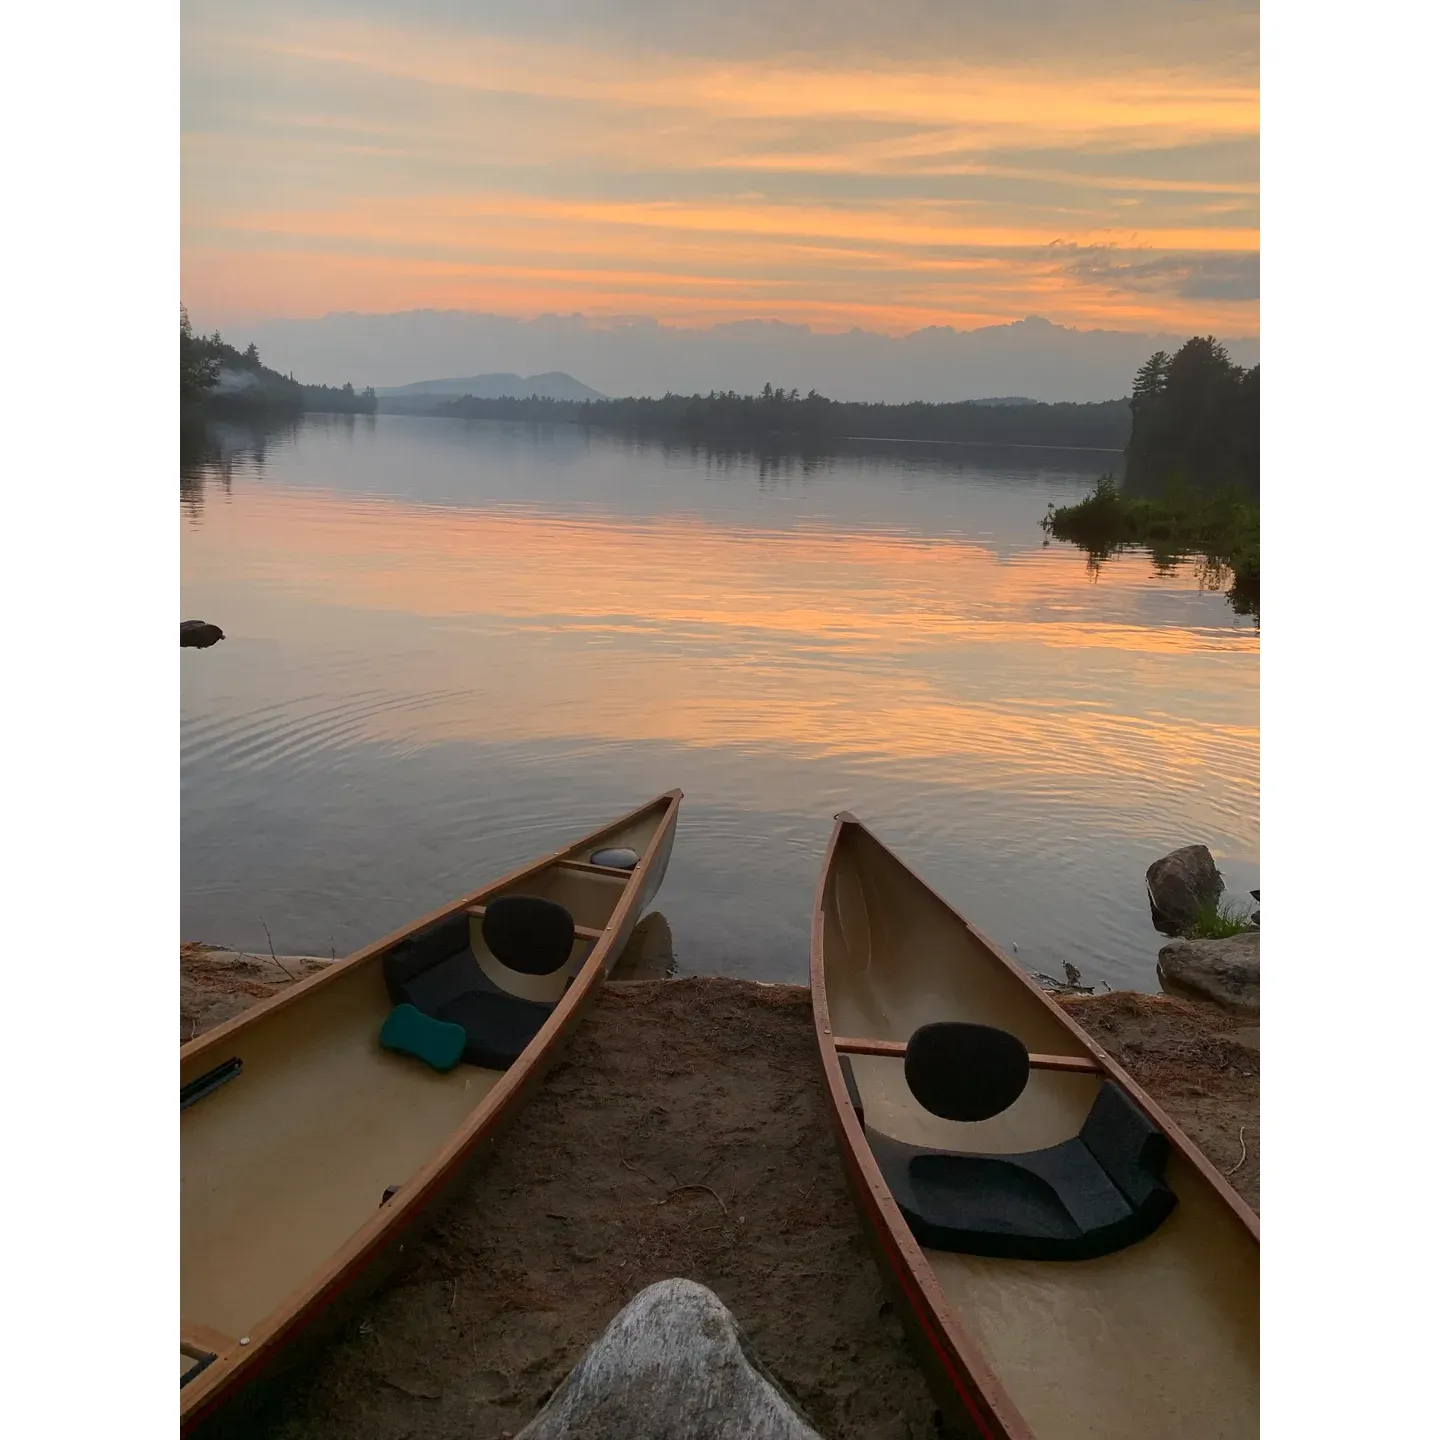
x=525 y=175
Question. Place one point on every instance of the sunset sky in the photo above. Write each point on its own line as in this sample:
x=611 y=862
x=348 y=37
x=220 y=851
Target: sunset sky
x=835 y=162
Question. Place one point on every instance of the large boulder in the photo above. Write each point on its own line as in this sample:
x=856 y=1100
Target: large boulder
x=1181 y=885
x=672 y=1365
x=200 y=633
x=1225 y=972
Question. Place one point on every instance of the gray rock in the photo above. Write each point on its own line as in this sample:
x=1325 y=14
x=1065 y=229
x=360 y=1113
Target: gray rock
x=1224 y=972
x=1181 y=884
x=672 y=1365
x=200 y=633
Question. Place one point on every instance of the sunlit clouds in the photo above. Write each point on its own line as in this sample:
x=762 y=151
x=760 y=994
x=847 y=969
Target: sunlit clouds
x=349 y=158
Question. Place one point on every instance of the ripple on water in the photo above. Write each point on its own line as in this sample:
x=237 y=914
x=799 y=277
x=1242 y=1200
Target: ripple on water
x=451 y=650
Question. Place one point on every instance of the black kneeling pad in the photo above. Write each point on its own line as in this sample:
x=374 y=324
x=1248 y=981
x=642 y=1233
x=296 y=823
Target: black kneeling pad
x=436 y=972
x=1086 y=1197
x=497 y=1026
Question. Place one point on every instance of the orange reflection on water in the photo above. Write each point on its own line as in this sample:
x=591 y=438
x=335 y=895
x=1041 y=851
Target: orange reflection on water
x=510 y=626
x=844 y=593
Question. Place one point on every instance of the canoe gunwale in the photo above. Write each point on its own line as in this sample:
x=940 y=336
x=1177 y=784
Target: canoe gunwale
x=234 y=1370
x=970 y=1376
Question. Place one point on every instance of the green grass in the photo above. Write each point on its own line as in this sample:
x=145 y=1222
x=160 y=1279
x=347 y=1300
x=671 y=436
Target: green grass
x=1219 y=921
x=1221 y=526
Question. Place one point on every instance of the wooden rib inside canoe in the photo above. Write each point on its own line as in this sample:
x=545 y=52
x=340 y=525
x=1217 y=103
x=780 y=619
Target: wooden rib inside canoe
x=1158 y=1340
x=288 y=1156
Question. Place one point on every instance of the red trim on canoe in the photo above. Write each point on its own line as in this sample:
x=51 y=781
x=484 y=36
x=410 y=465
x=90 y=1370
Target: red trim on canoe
x=901 y=1271
x=303 y=1319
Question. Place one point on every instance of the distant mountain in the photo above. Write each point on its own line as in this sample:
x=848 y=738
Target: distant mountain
x=553 y=385
x=637 y=355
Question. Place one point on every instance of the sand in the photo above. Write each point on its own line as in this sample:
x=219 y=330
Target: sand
x=683 y=1134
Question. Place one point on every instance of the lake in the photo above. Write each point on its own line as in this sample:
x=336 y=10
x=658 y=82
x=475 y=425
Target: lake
x=452 y=646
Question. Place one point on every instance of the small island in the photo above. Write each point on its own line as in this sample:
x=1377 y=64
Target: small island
x=1192 y=473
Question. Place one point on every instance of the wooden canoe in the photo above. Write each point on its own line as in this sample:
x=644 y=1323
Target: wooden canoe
x=1158 y=1339
x=312 y=1153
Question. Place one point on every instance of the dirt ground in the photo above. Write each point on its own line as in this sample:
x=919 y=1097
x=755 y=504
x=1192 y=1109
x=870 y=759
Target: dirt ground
x=1200 y=1062
x=683 y=1134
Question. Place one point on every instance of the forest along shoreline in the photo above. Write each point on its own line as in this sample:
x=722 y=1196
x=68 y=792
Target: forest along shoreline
x=683 y=1132
x=1192 y=474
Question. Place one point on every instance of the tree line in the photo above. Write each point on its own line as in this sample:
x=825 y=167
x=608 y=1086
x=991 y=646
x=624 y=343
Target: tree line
x=215 y=375
x=778 y=416
x=1192 y=472
x=1195 y=420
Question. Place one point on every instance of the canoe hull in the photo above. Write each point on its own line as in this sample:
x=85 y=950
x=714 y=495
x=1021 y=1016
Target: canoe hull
x=967 y=1411
x=233 y=1413
x=1007 y=1346
x=225 y=1397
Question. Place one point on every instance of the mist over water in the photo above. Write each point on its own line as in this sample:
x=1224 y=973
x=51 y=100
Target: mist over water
x=451 y=646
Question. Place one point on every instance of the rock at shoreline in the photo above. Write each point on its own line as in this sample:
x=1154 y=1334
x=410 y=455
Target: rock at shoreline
x=1181 y=884
x=1224 y=972
x=199 y=633
x=672 y=1365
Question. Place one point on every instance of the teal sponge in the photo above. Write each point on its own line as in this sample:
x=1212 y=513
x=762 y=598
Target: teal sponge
x=439 y=1044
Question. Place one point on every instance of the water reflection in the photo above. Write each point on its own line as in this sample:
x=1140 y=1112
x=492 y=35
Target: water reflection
x=452 y=646
x=214 y=448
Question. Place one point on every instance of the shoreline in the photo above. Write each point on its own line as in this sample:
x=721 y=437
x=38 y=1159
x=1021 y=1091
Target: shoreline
x=683 y=1133
x=1199 y=1060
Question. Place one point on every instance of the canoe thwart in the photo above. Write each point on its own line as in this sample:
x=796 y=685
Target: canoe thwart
x=895 y=1050
x=605 y=872
x=200 y=1342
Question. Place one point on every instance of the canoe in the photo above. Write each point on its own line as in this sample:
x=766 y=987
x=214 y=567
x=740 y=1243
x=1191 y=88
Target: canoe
x=1066 y=1262
x=310 y=1151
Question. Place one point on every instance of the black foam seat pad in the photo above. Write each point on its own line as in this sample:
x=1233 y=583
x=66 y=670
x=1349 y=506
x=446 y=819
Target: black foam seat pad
x=1086 y=1197
x=497 y=1026
x=436 y=972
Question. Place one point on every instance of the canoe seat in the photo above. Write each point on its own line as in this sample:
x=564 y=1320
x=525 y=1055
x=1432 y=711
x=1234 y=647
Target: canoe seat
x=436 y=972
x=1089 y=1196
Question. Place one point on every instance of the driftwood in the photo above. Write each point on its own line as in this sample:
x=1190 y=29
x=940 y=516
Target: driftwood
x=672 y=1365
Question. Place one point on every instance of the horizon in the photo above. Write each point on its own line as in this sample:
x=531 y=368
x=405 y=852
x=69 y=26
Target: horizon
x=638 y=356
x=207 y=323
x=890 y=168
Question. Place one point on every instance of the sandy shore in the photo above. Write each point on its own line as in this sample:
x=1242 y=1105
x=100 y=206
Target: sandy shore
x=684 y=1133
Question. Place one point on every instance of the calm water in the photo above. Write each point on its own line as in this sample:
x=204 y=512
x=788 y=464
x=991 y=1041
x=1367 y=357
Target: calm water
x=451 y=646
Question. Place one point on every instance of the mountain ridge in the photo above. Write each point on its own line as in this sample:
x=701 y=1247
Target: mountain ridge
x=496 y=385
x=640 y=356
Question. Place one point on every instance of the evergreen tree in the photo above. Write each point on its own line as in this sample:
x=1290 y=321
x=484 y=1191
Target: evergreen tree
x=1150 y=377
x=198 y=367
